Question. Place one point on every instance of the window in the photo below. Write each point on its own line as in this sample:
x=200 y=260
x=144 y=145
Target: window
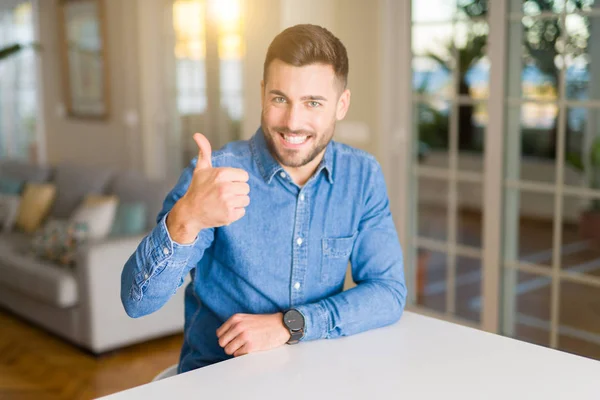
x=18 y=83
x=209 y=49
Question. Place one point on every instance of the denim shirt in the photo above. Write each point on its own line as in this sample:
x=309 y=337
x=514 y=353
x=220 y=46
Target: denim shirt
x=290 y=250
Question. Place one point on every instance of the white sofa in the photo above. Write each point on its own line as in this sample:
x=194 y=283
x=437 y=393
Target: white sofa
x=83 y=305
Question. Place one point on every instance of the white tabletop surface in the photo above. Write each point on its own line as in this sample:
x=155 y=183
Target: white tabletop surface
x=416 y=358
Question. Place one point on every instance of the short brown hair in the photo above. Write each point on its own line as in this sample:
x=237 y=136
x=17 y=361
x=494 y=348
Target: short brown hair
x=307 y=44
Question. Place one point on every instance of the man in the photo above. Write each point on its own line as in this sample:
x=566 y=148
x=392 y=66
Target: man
x=271 y=271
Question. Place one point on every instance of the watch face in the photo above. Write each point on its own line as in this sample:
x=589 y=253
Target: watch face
x=293 y=320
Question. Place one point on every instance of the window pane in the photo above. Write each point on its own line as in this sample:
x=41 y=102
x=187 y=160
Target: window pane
x=469 y=217
x=472 y=121
x=534 y=46
x=191 y=86
x=580 y=250
x=531 y=311
x=18 y=84
x=432 y=130
x=473 y=64
x=190 y=55
x=582 y=5
x=579 y=326
x=582 y=60
x=468 y=288
x=582 y=143
x=433 y=10
x=529 y=229
x=432 y=209
x=431 y=279
x=473 y=8
x=531 y=142
x=433 y=60
x=536 y=7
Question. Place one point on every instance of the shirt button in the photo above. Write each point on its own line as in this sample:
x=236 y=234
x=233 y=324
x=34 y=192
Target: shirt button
x=146 y=275
x=282 y=174
x=297 y=285
x=299 y=241
x=165 y=251
x=302 y=197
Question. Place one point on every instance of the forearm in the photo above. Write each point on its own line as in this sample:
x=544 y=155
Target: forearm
x=157 y=268
x=371 y=304
x=377 y=268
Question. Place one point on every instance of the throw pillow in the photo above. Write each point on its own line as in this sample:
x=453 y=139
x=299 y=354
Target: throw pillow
x=35 y=204
x=130 y=219
x=98 y=213
x=73 y=183
x=9 y=208
x=10 y=185
x=58 y=241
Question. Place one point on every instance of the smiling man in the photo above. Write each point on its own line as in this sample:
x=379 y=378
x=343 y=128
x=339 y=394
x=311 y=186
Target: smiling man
x=270 y=271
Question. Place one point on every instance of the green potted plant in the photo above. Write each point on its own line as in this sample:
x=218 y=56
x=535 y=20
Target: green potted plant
x=10 y=50
x=589 y=224
x=13 y=49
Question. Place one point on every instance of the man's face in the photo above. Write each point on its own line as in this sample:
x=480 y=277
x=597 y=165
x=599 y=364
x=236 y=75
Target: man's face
x=300 y=106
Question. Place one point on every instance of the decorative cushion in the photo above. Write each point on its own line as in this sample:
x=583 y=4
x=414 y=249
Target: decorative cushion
x=9 y=209
x=10 y=185
x=130 y=219
x=98 y=199
x=132 y=187
x=98 y=213
x=58 y=241
x=73 y=183
x=25 y=171
x=35 y=204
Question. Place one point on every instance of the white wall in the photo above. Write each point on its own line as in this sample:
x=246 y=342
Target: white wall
x=110 y=142
x=358 y=27
x=132 y=60
x=262 y=23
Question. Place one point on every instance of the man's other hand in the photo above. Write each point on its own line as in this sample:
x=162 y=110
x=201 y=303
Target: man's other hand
x=248 y=333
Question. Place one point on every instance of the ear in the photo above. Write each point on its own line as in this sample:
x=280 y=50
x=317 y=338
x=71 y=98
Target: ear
x=262 y=94
x=342 y=105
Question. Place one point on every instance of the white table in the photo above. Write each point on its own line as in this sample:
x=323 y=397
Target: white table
x=417 y=358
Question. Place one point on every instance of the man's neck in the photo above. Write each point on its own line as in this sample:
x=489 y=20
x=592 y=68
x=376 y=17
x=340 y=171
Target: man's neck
x=301 y=175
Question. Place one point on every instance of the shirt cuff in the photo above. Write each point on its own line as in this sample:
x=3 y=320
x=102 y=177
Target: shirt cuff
x=316 y=321
x=164 y=248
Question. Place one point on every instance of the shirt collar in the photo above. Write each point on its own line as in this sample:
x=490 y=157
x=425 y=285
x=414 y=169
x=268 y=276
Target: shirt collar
x=268 y=166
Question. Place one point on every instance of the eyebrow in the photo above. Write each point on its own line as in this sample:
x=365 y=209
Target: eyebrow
x=310 y=97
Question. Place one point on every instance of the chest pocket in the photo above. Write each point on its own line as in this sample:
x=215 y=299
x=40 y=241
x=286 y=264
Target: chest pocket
x=335 y=258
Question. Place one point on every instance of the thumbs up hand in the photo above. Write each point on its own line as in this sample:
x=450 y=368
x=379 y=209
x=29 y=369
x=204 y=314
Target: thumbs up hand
x=215 y=197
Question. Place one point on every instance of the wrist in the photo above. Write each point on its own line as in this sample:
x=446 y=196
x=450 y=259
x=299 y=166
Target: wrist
x=285 y=332
x=179 y=226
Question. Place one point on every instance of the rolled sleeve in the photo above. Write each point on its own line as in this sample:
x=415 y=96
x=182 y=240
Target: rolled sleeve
x=316 y=321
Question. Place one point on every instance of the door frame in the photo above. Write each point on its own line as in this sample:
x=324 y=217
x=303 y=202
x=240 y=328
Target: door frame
x=397 y=141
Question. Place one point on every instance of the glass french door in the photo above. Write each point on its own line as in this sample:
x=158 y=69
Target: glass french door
x=450 y=91
x=499 y=196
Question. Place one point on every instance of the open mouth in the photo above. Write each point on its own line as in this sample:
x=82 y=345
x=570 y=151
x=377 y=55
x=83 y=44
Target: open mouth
x=294 y=141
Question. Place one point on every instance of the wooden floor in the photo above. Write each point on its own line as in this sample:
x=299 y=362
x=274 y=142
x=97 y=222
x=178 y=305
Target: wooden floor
x=38 y=366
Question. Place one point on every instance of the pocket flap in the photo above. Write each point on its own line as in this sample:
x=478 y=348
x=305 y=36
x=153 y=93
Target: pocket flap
x=338 y=246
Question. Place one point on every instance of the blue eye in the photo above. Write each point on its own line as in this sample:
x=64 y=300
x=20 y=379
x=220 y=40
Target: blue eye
x=314 y=104
x=279 y=100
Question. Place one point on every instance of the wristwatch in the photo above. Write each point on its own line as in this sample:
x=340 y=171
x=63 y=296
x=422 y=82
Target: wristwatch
x=294 y=322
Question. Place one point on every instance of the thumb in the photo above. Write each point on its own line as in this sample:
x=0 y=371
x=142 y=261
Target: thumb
x=204 y=151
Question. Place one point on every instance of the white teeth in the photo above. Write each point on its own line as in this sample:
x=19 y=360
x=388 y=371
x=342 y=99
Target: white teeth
x=295 y=139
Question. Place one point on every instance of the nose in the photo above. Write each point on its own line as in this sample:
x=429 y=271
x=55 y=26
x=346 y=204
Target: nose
x=293 y=119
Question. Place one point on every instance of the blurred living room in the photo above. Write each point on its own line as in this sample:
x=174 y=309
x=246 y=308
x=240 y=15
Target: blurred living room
x=484 y=115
